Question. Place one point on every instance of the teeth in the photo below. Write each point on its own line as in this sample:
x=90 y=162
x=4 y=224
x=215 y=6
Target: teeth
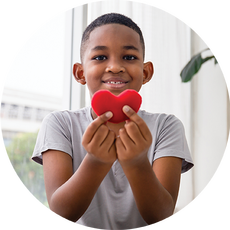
x=115 y=82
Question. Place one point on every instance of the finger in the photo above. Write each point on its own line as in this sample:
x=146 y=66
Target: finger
x=134 y=132
x=102 y=140
x=100 y=136
x=125 y=138
x=93 y=127
x=119 y=145
x=109 y=140
x=112 y=149
x=107 y=148
x=133 y=116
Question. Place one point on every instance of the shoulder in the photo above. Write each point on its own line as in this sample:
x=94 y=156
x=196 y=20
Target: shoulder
x=68 y=116
x=163 y=124
x=159 y=119
x=156 y=116
x=64 y=114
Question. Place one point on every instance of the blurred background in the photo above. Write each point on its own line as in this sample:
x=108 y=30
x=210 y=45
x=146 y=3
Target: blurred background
x=41 y=81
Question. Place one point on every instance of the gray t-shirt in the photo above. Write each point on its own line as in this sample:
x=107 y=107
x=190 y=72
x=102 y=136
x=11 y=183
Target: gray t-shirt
x=113 y=206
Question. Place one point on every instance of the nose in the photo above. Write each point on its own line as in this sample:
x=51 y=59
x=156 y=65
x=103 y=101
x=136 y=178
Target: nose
x=115 y=66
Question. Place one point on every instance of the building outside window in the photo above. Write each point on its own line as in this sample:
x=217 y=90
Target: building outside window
x=25 y=103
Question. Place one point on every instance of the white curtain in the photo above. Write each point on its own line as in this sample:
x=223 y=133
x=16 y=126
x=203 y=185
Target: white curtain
x=166 y=28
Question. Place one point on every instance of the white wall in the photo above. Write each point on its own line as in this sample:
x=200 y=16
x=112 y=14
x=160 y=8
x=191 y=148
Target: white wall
x=209 y=118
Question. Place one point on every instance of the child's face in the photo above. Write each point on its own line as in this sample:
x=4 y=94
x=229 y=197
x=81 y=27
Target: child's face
x=113 y=60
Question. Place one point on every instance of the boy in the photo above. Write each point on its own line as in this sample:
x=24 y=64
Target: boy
x=105 y=175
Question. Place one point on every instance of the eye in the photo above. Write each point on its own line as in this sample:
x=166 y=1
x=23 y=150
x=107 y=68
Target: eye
x=100 y=58
x=129 y=57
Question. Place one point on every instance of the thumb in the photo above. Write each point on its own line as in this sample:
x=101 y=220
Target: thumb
x=128 y=111
x=105 y=116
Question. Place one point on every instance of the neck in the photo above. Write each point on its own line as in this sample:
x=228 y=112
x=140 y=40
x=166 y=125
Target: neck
x=115 y=127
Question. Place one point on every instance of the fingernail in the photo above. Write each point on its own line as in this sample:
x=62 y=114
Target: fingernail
x=109 y=114
x=126 y=108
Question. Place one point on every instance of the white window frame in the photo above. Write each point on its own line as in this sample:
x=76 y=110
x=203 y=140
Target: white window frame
x=74 y=93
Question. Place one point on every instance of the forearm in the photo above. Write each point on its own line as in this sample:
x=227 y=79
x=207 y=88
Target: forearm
x=73 y=198
x=153 y=201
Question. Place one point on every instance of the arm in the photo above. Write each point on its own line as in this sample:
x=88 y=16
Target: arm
x=68 y=194
x=155 y=188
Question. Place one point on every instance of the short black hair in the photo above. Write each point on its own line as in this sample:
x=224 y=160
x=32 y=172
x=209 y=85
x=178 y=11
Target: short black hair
x=110 y=18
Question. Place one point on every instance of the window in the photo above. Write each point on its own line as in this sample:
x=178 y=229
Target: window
x=3 y=108
x=13 y=111
x=27 y=113
x=26 y=102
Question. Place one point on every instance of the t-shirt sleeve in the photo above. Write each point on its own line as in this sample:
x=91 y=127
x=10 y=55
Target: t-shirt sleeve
x=53 y=134
x=171 y=141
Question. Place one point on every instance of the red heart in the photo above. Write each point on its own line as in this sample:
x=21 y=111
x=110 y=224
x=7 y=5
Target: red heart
x=104 y=101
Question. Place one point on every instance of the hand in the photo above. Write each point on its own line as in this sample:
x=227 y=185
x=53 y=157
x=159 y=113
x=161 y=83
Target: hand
x=134 y=139
x=98 y=140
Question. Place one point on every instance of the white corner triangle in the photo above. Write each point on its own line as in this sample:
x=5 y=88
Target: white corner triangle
x=218 y=219
x=11 y=219
x=218 y=10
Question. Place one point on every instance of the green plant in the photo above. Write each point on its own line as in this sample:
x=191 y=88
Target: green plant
x=19 y=151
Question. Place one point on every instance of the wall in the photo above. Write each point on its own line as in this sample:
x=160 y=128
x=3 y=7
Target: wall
x=209 y=118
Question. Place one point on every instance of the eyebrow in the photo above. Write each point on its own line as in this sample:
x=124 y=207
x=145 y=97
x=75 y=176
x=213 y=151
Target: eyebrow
x=99 y=48
x=131 y=47
x=128 y=47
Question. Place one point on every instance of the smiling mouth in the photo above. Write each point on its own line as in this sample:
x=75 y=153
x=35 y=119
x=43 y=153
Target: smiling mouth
x=115 y=82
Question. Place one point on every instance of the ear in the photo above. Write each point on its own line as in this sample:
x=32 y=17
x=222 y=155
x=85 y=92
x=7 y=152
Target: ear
x=148 y=71
x=78 y=73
